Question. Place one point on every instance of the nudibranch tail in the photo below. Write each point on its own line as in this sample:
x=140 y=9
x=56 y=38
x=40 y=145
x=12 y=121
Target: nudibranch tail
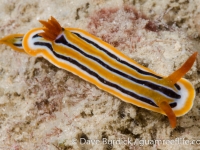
x=14 y=41
x=169 y=112
x=51 y=29
x=178 y=74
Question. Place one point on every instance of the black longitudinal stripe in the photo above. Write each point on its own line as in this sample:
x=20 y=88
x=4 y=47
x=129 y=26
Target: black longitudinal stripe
x=119 y=60
x=172 y=105
x=177 y=86
x=94 y=74
x=36 y=35
x=116 y=58
x=18 y=45
x=168 y=92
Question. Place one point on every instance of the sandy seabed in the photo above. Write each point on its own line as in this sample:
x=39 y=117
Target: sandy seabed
x=43 y=107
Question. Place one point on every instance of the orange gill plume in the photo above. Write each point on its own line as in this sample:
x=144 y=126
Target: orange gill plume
x=51 y=29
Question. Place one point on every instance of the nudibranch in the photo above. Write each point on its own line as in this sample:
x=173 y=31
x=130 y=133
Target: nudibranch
x=106 y=67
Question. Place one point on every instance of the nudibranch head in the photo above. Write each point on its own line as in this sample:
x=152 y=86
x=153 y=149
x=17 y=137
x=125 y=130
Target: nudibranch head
x=170 y=81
